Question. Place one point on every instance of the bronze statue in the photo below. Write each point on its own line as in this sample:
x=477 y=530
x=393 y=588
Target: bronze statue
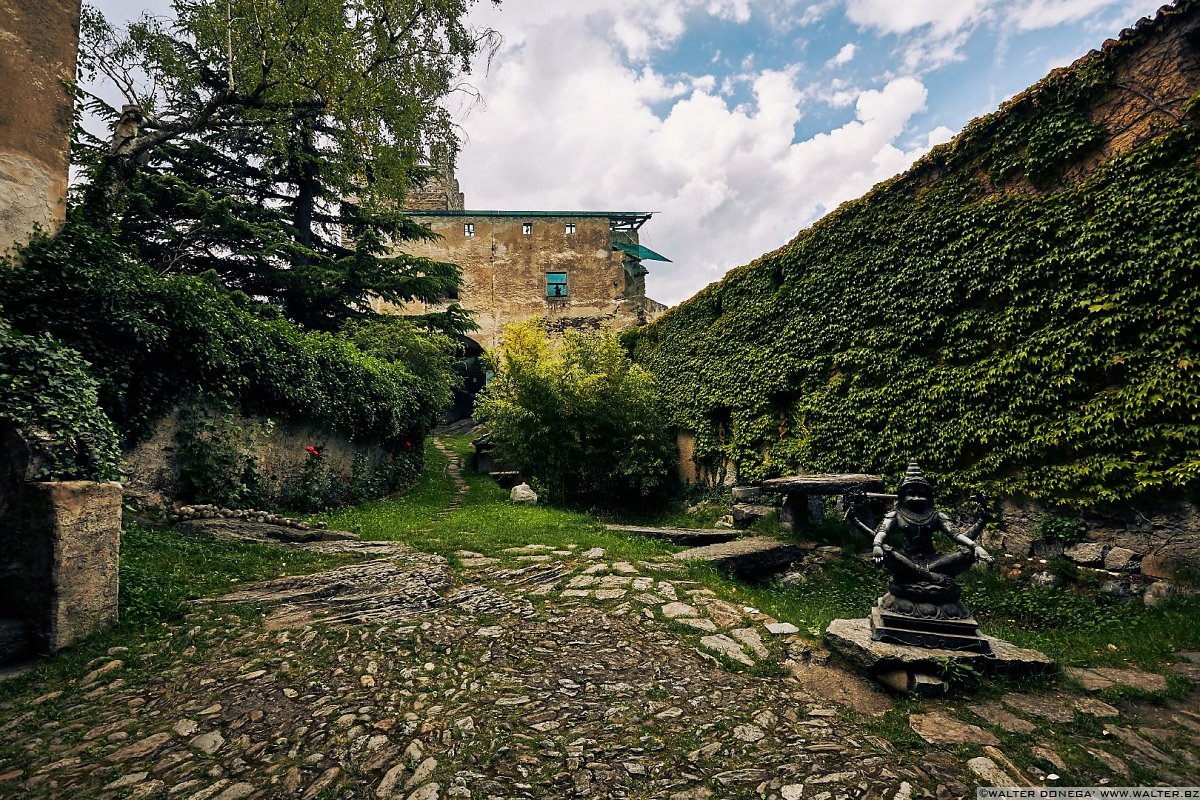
x=923 y=605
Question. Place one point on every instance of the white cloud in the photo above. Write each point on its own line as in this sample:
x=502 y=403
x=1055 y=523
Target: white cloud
x=1035 y=14
x=844 y=56
x=942 y=16
x=571 y=125
x=939 y=135
x=736 y=10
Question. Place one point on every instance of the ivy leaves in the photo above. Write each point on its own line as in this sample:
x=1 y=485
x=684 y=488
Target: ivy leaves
x=1042 y=344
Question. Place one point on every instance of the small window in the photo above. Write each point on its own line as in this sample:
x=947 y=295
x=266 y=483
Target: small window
x=469 y=229
x=556 y=284
x=527 y=228
x=570 y=229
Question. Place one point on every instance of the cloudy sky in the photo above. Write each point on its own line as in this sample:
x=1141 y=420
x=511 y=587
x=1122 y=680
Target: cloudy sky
x=739 y=122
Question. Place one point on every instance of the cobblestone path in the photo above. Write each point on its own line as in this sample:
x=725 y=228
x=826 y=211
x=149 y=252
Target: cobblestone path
x=532 y=673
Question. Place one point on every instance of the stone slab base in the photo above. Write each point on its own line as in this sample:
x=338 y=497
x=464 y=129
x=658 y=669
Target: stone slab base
x=751 y=557
x=851 y=639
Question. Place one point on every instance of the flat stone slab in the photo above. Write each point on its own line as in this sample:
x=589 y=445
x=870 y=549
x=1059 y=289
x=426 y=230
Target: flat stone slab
x=682 y=536
x=851 y=638
x=1005 y=720
x=248 y=530
x=939 y=728
x=757 y=555
x=823 y=484
x=1095 y=679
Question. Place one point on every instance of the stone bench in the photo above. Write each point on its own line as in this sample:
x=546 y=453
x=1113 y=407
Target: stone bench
x=804 y=495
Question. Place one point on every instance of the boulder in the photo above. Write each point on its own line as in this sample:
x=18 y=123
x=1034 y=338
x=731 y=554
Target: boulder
x=1115 y=590
x=1087 y=554
x=1157 y=592
x=746 y=514
x=523 y=495
x=1121 y=559
x=746 y=494
x=1161 y=567
x=1047 y=548
x=1018 y=545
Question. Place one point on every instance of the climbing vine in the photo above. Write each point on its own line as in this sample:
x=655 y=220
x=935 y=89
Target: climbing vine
x=1042 y=341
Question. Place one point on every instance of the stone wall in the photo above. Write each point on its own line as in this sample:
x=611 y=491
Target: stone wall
x=278 y=448
x=439 y=193
x=59 y=545
x=1154 y=541
x=38 y=42
x=504 y=273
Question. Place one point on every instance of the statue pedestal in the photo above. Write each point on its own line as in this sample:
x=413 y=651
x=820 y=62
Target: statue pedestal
x=908 y=669
x=943 y=634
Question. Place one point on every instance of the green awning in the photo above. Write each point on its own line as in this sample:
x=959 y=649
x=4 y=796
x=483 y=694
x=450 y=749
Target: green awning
x=639 y=252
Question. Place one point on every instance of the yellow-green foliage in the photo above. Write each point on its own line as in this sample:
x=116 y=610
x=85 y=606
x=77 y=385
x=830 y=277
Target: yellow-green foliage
x=1045 y=343
x=577 y=417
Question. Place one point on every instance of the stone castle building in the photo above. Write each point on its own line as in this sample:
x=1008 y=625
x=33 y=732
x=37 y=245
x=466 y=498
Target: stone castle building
x=575 y=269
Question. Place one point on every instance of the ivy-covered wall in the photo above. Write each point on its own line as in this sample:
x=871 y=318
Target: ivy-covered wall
x=1020 y=310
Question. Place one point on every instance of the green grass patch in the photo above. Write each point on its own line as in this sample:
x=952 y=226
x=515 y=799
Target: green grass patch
x=161 y=569
x=396 y=518
x=486 y=522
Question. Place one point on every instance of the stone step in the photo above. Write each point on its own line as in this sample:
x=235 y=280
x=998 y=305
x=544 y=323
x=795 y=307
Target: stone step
x=755 y=556
x=684 y=536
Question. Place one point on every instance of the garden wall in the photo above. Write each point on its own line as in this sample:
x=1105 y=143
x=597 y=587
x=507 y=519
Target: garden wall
x=277 y=453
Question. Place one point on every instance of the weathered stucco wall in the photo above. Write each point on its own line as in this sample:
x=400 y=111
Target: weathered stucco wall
x=38 y=43
x=504 y=273
x=278 y=449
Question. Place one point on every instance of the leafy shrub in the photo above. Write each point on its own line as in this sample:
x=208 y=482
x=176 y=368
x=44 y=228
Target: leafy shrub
x=397 y=340
x=1059 y=528
x=578 y=417
x=48 y=394
x=216 y=462
x=155 y=341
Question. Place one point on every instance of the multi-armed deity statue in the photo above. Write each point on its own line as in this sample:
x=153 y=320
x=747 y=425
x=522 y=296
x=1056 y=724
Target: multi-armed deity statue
x=923 y=606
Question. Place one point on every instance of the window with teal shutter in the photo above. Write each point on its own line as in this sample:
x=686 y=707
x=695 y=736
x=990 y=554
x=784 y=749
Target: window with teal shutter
x=556 y=284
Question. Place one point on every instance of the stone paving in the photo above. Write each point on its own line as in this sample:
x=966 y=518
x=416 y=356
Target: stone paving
x=536 y=673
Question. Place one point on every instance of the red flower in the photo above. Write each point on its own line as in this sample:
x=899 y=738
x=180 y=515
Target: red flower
x=312 y=451
x=408 y=444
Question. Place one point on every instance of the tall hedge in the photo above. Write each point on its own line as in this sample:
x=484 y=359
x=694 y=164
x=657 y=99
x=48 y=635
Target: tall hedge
x=1008 y=327
x=154 y=340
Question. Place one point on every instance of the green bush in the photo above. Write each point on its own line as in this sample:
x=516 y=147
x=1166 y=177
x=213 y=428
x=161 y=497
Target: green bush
x=396 y=340
x=49 y=395
x=216 y=461
x=578 y=417
x=155 y=341
x=1060 y=528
